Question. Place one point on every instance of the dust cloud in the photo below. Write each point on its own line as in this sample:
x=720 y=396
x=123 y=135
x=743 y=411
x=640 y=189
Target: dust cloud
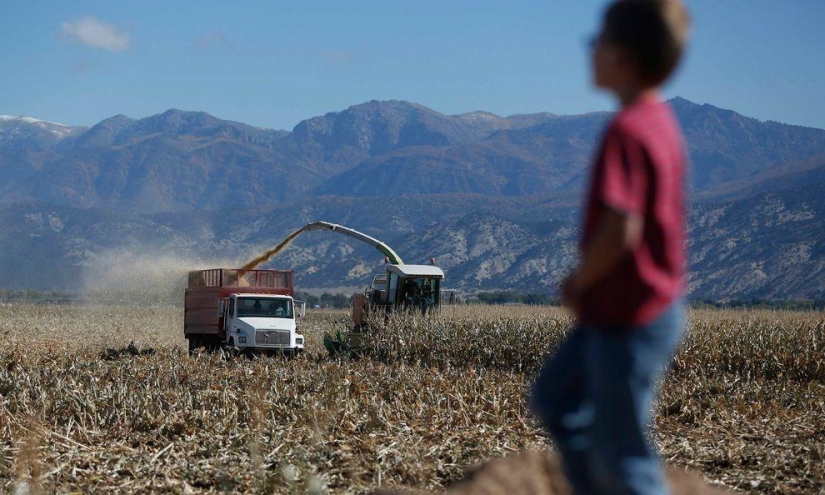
x=125 y=276
x=140 y=276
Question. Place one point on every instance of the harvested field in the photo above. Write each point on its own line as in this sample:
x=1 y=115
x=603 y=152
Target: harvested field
x=105 y=398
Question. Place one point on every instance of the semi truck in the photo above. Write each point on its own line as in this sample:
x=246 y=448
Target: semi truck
x=242 y=312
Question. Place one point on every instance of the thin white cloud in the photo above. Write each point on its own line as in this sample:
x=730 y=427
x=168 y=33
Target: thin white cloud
x=92 y=32
x=213 y=39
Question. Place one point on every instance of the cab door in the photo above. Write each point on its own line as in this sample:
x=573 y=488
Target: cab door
x=229 y=316
x=393 y=288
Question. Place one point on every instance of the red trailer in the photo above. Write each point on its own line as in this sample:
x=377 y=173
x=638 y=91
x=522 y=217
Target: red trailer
x=242 y=309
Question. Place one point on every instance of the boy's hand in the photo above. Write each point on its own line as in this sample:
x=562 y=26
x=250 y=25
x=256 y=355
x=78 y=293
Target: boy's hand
x=617 y=234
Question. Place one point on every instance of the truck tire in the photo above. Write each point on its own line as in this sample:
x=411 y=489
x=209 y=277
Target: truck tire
x=212 y=344
x=231 y=350
x=195 y=344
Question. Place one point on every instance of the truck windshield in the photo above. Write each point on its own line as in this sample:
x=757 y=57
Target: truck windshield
x=264 y=307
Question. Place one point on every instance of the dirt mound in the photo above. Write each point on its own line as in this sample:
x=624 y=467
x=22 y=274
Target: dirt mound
x=535 y=473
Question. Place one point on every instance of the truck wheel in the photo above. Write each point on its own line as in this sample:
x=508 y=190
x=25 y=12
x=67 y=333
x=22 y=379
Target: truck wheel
x=195 y=344
x=231 y=350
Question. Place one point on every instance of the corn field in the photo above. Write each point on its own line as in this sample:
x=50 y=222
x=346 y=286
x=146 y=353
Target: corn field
x=102 y=398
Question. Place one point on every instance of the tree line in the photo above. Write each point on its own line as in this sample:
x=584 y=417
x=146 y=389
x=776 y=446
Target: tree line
x=513 y=297
x=342 y=301
x=325 y=300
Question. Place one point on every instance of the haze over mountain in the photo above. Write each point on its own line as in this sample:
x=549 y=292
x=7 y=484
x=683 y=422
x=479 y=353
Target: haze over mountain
x=495 y=199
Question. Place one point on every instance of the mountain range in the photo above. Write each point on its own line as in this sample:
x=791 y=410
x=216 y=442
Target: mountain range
x=494 y=199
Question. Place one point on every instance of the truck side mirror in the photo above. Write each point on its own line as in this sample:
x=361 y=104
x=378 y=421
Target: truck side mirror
x=220 y=308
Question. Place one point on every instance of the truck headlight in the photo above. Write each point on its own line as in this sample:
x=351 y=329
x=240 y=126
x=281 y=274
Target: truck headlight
x=242 y=339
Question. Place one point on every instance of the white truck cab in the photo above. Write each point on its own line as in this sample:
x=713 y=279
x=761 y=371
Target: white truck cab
x=262 y=322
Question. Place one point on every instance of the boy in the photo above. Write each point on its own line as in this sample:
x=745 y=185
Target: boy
x=594 y=395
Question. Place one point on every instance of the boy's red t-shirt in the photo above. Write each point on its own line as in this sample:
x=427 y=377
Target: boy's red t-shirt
x=639 y=169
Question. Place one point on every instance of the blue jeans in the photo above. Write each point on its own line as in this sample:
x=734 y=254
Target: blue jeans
x=594 y=396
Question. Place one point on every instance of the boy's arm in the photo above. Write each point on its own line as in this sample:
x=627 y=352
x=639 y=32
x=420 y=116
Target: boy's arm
x=617 y=234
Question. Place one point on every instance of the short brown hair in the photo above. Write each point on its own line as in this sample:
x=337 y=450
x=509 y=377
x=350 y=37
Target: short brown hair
x=654 y=32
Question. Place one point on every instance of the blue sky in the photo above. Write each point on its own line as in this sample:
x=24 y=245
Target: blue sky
x=274 y=63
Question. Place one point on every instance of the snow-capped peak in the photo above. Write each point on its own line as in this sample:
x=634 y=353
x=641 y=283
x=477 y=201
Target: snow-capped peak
x=14 y=129
x=30 y=120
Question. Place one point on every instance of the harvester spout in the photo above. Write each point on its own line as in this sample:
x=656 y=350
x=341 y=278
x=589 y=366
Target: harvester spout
x=387 y=251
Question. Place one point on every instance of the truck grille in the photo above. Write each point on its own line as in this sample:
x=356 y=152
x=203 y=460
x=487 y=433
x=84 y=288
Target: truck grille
x=272 y=337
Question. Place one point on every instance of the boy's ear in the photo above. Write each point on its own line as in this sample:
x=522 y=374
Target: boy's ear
x=624 y=62
x=622 y=56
